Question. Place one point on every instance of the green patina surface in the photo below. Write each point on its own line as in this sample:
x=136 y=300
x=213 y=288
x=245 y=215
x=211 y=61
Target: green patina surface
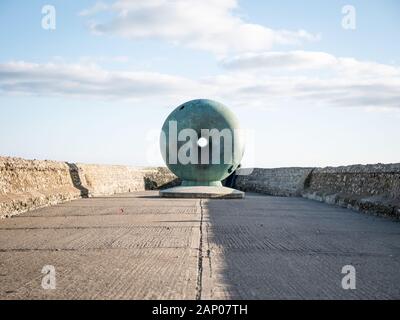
x=203 y=114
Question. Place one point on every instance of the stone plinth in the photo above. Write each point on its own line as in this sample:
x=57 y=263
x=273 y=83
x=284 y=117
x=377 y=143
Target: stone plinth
x=202 y=192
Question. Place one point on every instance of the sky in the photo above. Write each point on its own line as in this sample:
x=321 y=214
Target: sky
x=311 y=85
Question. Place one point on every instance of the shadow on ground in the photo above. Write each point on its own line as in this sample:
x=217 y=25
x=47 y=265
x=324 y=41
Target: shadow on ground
x=152 y=184
x=293 y=248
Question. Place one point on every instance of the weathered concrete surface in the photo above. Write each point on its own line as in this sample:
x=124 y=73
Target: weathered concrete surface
x=257 y=247
x=274 y=247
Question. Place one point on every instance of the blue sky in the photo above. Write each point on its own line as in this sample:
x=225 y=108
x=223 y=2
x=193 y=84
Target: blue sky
x=98 y=87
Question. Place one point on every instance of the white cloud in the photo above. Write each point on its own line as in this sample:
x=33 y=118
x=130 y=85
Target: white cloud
x=292 y=60
x=308 y=60
x=89 y=80
x=317 y=78
x=98 y=7
x=338 y=82
x=202 y=24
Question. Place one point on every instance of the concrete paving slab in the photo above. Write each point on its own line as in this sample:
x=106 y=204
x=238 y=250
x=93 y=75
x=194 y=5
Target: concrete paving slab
x=291 y=248
x=259 y=247
x=149 y=273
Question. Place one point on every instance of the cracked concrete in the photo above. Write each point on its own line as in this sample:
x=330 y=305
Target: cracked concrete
x=199 y=287
x=260 y=247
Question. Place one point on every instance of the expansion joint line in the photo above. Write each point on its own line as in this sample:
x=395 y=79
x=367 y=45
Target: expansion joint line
x=200 y=256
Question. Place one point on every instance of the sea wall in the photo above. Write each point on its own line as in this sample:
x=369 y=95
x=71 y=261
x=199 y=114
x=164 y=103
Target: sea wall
x=277 y=182
x=29 y=184
x=367 y=188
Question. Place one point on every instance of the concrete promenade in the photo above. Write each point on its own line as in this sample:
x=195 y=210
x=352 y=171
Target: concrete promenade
x=140 y=246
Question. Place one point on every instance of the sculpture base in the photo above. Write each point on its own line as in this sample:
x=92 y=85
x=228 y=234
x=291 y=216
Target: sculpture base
x=202 y=192
x=189 y=183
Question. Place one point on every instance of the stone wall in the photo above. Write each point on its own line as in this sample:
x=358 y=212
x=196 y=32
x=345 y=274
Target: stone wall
x=30 y=184
x=367 y=188
x=277 y=182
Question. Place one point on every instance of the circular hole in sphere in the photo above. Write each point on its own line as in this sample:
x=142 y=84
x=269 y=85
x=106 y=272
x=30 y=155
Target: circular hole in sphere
x=202 y=142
